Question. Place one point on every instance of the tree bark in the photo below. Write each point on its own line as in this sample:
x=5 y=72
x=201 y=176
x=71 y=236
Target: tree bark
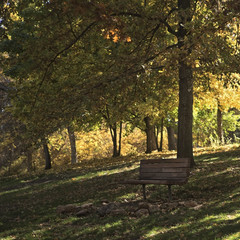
x=120 y=139
x=151 y=139
x=219 y=126
x=48 y=162
x=185 y=109
x=156 y=133
x=116 y=144
x=171 y=138
x=72 y=140
x=161 y=136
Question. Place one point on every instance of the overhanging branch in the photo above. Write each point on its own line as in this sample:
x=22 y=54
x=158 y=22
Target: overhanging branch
x=57 y=55
x=169 y=28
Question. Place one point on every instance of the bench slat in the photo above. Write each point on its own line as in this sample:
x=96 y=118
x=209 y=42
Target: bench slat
x=165 y=164
x=160 y=182
x=146 y=169
x=160 y=175
x=167 y=160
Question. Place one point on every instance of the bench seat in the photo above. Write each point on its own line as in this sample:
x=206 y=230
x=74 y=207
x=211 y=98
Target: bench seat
x=163 y=172
x=160 y=182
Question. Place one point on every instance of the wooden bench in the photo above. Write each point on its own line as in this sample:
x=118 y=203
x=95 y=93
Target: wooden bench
x=163 y=172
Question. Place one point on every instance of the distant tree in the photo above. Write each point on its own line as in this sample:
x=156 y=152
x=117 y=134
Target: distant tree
x=171 y=138
x=48 y=160
x=72 y=140
x=114 y=121
x=151 y=137
x=160 y=148
x=14 y=142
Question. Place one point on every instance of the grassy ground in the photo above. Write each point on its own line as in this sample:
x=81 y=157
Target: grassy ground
x=28 y=204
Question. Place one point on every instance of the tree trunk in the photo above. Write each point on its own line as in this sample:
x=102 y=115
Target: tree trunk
x=48 y=162
x=161 y=136
x=151 y=139
x=116 y=144
x=114 y=140
x=29 y=160
x=171 y=138
x=120 y=139
x=219 y=126
x=72 y=140
x=185 y=110
x=156 y=133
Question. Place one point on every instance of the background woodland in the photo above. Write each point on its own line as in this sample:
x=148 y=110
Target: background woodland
x=95 y=79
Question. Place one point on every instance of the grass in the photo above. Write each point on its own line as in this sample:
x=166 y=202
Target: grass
x=28 y=203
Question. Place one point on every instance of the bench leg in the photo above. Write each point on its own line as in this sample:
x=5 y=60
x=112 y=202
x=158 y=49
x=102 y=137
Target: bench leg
x=144 y=192
x=169 y=193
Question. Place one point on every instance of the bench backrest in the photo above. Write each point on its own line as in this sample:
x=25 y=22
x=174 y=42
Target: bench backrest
x=165 y=169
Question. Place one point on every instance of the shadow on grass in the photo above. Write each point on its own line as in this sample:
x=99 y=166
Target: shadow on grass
x=28 y=210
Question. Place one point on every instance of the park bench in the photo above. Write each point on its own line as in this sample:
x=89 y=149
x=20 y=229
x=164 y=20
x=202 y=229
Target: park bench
x=163 y=172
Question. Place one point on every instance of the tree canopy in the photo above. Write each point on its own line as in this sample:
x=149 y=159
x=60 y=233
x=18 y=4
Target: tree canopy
x=72 y=59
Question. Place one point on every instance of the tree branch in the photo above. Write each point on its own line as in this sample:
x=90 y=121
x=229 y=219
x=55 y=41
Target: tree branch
x=164 y=21
x=71 y=27
x=154 y=31
x=56 y=56
x=170 y=12
x=169 y=28
x=156 y=55
x=128 y=14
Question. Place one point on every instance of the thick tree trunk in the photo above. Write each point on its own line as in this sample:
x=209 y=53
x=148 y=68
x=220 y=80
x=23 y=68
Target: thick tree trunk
x=72 y=140
x=185 y=110
x=219 y=126
x=48 y=162
x=171 y=138
x=151 y=139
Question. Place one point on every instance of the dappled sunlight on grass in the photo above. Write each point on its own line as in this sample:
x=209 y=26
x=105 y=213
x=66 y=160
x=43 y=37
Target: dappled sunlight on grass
x=9 y=238
x=232 y=236
x=210 y=150
x=13 y=190
x=161 y=230
x=220 y=218
x=28 y=205
x=103 y=173
x=210 y=160
x=127 y=196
